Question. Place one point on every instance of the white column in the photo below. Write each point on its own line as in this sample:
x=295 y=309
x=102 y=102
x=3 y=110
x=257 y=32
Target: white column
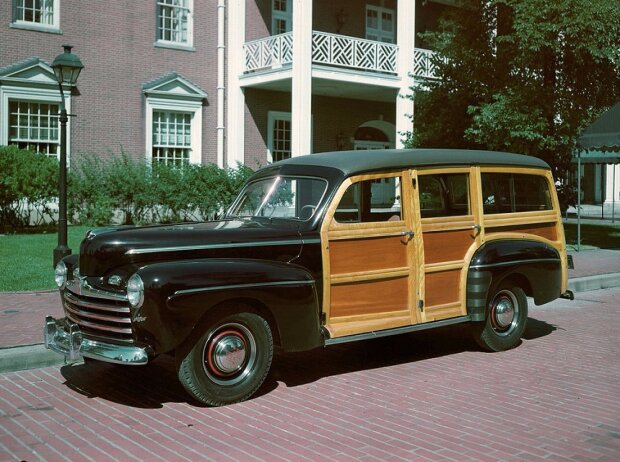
x=612 y=190
x=235 y=141
x=405 y=41
x=221 y=50
x=301 y=95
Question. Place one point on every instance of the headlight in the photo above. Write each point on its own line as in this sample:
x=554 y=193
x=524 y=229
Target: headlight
x=60 y=274
x=135 y=291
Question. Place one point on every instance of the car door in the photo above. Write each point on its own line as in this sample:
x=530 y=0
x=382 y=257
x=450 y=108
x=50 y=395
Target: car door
x=369 y=255
x=450 y=222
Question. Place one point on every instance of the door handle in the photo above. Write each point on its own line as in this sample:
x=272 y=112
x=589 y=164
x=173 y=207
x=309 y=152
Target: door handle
x=476 y=229
x=408 y=236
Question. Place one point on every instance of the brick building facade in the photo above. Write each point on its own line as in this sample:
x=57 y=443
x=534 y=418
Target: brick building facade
x=213 y=80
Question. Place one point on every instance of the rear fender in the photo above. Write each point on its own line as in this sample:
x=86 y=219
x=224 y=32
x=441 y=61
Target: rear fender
x=535 y=266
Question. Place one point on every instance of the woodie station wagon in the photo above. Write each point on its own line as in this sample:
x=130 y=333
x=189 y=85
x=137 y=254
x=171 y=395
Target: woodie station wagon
x=318 y=250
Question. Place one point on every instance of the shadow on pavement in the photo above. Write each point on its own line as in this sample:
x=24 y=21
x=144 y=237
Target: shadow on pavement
x=150 y=386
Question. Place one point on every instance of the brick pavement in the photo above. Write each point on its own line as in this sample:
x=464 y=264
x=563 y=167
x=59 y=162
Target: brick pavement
x=426 y=396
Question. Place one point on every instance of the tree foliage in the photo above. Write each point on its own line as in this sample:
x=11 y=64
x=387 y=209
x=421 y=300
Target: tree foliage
x=520 y=75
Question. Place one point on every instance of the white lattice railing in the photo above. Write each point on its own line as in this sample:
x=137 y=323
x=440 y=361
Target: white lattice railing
x=355 y=53
x=423 y=65
x=328 y=49
x=335 y=50
x=271 y=52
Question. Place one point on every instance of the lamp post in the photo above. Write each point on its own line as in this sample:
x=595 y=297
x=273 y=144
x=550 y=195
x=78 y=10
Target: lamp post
x=67 y=67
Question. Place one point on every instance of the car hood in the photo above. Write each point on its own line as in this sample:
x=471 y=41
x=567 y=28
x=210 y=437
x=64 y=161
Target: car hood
x=104 y=249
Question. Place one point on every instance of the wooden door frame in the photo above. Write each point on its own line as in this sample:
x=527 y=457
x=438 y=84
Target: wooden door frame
x=331 y=229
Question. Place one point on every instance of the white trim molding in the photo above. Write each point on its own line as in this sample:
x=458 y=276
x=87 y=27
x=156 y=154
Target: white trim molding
x=33 y=81
x=174 y=93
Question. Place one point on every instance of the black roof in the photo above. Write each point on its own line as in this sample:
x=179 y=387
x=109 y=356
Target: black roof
x=357 y=162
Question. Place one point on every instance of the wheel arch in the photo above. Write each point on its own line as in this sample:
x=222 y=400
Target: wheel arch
x=533 y=265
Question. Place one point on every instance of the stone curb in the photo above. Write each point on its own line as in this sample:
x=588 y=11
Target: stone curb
x=596 y=282
x=24 y=357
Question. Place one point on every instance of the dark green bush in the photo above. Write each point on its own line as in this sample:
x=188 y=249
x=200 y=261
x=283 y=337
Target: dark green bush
x=28 y=188
x=127 y=191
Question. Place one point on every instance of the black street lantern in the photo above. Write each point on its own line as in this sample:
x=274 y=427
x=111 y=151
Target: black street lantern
x=67 y=67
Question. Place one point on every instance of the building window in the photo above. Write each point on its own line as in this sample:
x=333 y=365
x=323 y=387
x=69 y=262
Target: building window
x=36 y=14
x=172 y=137
x=279 y=139
x=34 y=126
x=173 y=120
x=282 y=16
x=174 y=22
x=380 y=24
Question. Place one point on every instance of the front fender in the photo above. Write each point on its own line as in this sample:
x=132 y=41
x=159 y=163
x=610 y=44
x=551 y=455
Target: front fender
x=178 y=295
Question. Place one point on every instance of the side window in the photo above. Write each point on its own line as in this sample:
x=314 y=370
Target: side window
x=496 y=193
x=444 y=195
x=531 y=193
x=371 y=201
x=507 y=193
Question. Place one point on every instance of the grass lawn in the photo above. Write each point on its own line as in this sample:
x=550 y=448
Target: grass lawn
x=603 y=236
x=26 y=259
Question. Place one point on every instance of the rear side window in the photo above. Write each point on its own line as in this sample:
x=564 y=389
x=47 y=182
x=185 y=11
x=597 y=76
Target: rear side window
x=510 y=192
x=444 y=195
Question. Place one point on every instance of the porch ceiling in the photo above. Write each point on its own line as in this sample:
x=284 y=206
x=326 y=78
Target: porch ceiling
x=334 y=88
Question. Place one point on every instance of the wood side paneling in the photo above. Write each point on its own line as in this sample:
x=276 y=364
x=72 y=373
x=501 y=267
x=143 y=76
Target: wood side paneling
x=353 y=255
x=442 y=287
x=369 y=297
x=447 y=245
x=546 y=230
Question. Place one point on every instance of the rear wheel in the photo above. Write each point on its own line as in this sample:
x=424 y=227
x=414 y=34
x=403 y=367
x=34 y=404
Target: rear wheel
x=506 y=319
x=230 y=361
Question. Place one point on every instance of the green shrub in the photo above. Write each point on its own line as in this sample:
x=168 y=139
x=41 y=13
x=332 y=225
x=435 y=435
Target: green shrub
x=28 y=186
x=130 y=192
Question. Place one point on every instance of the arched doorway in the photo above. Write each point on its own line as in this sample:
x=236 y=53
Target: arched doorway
x=379 y=134
x=374 y=134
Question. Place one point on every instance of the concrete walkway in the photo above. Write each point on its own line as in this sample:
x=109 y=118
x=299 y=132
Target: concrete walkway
x=22 y=313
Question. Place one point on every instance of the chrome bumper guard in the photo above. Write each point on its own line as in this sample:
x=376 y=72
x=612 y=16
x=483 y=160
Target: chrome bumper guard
x=73 y=346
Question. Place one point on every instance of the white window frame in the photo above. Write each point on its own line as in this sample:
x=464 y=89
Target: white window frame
x=272 y=118
x=380 y=35
x=35 y=95
x=187 y=44
x=174 y=105
x=53 y=26
x=279 y=15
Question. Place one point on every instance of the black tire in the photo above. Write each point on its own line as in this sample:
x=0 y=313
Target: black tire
x=230 y=361
x=506 y=319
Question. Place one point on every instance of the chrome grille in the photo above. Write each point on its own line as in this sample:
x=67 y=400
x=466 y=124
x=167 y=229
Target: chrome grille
x=103 y=317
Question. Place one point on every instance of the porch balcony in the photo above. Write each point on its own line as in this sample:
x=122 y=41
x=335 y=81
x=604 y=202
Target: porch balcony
x=334 y=51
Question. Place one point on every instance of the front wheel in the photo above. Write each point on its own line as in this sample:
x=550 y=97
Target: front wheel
x=506 y=319
x=230 y=361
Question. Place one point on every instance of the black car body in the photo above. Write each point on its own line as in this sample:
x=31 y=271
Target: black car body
x=316 y=250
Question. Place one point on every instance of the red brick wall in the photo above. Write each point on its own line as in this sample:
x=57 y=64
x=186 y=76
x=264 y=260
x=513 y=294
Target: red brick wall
x=115 y=41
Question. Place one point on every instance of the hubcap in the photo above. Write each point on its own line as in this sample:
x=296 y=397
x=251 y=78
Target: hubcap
x=229 y=354
x=504 y=312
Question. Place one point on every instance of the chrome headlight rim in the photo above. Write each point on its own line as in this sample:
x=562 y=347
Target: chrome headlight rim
x=60 y=274
x=135 y=291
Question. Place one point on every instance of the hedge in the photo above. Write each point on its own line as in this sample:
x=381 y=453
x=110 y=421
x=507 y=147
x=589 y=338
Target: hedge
x=116 y=191
x=28 y=188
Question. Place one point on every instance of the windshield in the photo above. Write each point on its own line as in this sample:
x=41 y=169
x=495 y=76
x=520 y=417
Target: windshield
x=280 y=197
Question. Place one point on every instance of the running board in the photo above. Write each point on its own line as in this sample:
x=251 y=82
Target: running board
x=397 y=330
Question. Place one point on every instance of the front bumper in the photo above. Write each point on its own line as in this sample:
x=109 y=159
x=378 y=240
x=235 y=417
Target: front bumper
x=74 y=346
